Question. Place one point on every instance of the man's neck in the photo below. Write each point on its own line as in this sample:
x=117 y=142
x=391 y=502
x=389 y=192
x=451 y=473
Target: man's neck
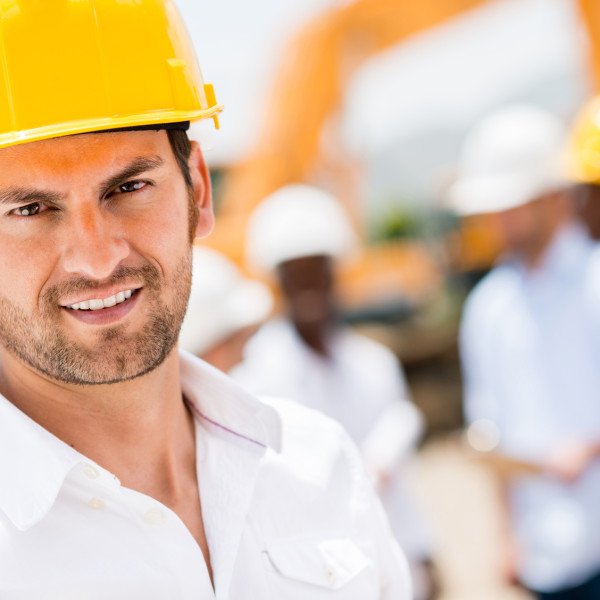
x=534 y=256
x=316 y=336
x=140 y=430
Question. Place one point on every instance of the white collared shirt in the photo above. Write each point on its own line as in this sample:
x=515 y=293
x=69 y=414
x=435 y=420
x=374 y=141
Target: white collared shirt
x=362 y=386
x=286 y=509
x=530 y=343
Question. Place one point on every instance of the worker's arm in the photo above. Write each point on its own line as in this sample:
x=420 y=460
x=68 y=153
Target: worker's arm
x=568 y=462
x=391 y=440
x=398 y=427
x=571 y=459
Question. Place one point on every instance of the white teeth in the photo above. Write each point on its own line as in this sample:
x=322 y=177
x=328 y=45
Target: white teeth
x=97 y=303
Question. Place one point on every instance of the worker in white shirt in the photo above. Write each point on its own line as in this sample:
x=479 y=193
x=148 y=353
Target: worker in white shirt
x=530 y=341
x=224 y=311
x=129 y=470
x=299 y=233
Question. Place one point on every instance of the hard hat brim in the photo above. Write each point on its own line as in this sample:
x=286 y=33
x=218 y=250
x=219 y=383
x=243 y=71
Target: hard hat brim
x=485 y=195
x=106 y=124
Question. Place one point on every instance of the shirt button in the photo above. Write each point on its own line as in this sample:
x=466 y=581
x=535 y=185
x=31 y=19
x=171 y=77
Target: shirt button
x=330 y=573
x=154 y=516
x=96 y=504
x=91 y=472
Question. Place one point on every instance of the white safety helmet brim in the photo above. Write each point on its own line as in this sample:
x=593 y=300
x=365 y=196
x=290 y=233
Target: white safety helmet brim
x=221 y=302
x=485 y=195
x=509 y=159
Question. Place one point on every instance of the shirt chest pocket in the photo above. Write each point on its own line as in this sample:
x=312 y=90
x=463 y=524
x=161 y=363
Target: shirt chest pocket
x=321 y=568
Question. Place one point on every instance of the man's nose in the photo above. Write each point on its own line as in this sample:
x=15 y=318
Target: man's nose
x=94 y=245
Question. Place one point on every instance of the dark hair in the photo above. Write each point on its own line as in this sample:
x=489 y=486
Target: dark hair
x=182 y=147
x=180 y=143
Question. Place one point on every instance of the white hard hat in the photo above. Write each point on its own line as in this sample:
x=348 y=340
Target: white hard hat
x=512 y=157
x=221 y=302
x=297 y=221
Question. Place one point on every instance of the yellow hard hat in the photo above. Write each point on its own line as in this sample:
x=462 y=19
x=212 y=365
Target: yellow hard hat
x=76 y=66
x=584 y=150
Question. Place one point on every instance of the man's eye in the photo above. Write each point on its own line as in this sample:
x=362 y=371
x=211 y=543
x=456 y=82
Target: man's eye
x=29 y=210
x=131 y=186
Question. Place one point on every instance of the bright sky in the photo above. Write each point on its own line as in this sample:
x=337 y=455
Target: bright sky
x=407 y=111
x=238 y=43
x=452 y=74
x=444 y=78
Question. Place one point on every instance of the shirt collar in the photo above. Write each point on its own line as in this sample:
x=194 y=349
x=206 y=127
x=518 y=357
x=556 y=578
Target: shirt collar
x=567 y=250
x=218 y=400
x=34 y=463
x=33 y=467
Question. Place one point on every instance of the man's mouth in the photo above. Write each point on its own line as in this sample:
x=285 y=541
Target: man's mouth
x=100 y=303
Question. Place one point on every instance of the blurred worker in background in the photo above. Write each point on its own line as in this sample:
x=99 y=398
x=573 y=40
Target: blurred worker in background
x=224 y=311
x=587 y=204
x=584 y=165
x=129 y=470
x=530 y=342
x=299 y=234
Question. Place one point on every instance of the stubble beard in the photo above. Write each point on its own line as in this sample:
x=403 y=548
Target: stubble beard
x=116 y=355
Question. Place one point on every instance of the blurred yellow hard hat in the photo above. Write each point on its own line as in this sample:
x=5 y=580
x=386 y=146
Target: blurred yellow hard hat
x=76 y=66
x=584 y=148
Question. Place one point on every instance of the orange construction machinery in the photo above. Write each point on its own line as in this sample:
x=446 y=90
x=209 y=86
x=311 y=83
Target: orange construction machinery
x=307 y=91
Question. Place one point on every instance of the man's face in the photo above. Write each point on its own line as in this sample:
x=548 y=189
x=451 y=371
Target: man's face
x=89 y=221
x=307 y=284
x=586 y=197
x=519 y=227
x=527 y=229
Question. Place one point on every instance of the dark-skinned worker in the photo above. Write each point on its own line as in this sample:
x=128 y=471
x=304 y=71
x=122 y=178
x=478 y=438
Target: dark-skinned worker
x=300 y=234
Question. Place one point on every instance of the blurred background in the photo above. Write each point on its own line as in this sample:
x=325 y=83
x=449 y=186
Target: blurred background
x=371 y=100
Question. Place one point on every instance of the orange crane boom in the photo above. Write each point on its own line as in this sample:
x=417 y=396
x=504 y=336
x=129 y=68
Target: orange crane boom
x=309 y=88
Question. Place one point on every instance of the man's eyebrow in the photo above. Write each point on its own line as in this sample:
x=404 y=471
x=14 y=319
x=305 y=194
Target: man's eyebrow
x=137 y=166
x=23 y=195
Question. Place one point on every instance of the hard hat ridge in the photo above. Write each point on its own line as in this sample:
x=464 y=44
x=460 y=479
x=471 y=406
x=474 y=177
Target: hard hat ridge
x=508 y=159
x=77 y=66
x=295 y=221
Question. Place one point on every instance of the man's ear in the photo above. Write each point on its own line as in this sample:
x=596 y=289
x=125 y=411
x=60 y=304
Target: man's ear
x=202 y=191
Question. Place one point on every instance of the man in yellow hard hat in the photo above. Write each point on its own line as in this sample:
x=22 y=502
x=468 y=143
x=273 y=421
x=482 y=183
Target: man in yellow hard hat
x=128 y=470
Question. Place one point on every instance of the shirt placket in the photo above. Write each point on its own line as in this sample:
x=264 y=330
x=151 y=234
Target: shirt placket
x=227 y=475
x=175 y=545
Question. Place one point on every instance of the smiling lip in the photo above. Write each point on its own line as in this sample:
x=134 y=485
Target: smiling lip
x=108 y=315
x=115 y=293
